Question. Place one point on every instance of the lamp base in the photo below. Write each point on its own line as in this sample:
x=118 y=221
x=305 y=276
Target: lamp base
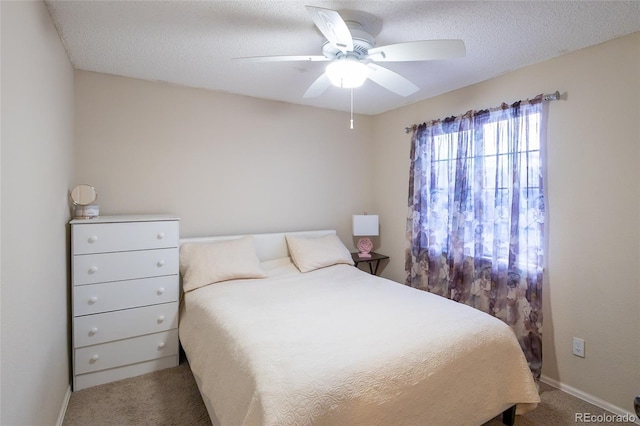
x=364 y=245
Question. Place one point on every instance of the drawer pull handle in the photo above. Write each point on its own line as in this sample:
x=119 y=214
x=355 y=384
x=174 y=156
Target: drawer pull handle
x=93 y=300
x=160 y=263
x=93 y=269
x=161 y=345
x=93 y=331
x=160 y=235
x=160 y=319
x=94 y=359
x=93 y=239
x=160 y=291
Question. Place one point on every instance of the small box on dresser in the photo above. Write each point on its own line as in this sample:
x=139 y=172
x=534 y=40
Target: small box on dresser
x=125 y=278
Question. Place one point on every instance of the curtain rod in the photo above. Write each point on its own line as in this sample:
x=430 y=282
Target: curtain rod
x=548 y=97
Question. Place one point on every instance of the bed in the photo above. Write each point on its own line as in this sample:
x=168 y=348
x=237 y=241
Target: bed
x=334 y=345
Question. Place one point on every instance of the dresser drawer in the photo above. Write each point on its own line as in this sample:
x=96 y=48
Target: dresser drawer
x=96 y=268
x=124 y=352
x=83 y=381
x=105 y=297
x=110 y=237
x=117 y=325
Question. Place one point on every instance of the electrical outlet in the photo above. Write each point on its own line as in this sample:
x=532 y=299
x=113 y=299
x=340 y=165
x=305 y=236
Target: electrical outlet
x=578 y=347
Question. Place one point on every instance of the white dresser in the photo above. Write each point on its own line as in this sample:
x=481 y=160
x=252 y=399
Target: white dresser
x=125 y=296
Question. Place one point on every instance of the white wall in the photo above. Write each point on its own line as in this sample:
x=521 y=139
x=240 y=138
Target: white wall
x=37 y=154
x=225 y=164
x=592 y=286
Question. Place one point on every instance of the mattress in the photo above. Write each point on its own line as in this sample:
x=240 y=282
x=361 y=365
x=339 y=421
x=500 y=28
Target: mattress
x=340 y=346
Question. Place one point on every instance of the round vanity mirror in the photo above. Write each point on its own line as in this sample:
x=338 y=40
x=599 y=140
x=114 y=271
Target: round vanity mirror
x=83 y=197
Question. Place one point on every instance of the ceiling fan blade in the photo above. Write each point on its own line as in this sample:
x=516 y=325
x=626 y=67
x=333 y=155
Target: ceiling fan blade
x=333 y=27
x=421 y=50
x=391 y=80
x=318 y=87
x=282 y=58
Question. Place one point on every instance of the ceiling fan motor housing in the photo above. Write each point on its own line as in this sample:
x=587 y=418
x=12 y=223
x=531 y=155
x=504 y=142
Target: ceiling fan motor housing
x=362 y=42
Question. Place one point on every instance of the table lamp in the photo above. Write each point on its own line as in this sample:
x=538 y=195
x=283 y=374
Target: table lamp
x=365 y=225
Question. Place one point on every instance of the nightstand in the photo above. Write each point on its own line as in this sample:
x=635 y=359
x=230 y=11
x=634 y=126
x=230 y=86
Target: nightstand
x=375 y=258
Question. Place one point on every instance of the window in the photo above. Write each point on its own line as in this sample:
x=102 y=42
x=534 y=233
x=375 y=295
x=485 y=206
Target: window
x=478 y=177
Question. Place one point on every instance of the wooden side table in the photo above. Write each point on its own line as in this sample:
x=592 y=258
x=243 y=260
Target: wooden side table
x=375 y=258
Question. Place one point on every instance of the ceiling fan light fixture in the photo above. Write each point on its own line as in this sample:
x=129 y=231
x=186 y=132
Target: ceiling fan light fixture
x=347 y=73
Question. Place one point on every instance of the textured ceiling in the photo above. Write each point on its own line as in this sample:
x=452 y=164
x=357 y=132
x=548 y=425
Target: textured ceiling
x=192 y=43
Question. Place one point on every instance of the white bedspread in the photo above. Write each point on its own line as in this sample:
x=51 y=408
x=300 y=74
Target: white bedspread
x=338 y=346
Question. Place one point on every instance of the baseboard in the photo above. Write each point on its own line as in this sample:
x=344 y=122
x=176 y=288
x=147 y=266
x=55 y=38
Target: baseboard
x=589 y=398
x=63 y=408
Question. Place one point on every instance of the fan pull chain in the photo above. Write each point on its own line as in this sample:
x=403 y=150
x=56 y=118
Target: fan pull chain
x=352 y=108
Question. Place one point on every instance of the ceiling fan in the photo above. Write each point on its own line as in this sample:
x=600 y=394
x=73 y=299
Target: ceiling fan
x=353 y=55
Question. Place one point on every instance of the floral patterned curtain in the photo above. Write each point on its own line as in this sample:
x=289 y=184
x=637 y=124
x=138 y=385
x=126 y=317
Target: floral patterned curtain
x=475 y=226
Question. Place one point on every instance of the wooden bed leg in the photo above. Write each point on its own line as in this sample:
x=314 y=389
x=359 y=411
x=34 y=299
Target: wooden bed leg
x=509 y=416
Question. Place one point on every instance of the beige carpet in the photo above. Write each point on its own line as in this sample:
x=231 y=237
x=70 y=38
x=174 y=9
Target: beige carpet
x=165 y=397
x=171 y=397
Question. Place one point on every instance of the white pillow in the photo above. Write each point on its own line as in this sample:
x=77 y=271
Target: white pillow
x=207 y=263
x=309 y=254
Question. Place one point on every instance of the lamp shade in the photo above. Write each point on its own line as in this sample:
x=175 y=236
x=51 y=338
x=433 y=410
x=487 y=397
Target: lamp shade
x=365 y=225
